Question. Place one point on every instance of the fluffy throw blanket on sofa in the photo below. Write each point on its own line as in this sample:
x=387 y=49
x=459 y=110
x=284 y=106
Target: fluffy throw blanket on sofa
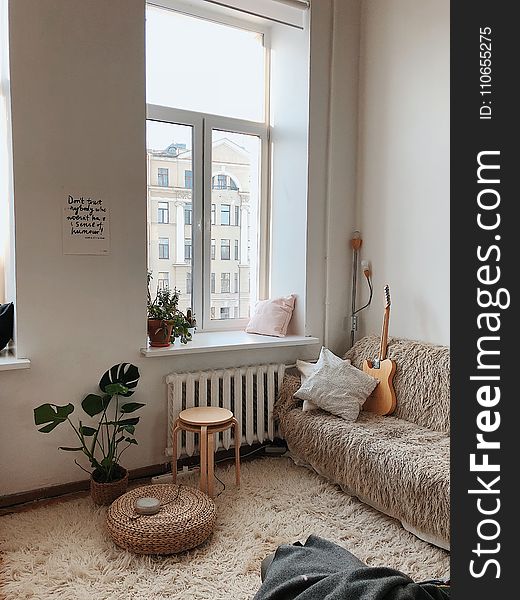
x=398 y=464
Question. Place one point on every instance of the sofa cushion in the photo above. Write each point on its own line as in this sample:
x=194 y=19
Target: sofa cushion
x=396 y=466
x=339 y=389
x=421 y=380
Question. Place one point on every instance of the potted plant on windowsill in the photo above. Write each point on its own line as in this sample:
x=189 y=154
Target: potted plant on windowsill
x=104 y=442
x=165 y=321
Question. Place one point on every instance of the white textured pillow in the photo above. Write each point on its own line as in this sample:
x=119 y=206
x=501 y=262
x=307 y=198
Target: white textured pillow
x=271 y=317
x=338 y=389
x=307 y=369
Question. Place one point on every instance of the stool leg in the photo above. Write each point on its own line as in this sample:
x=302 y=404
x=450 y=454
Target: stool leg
x=237 y=436
x=204 y=459
x=174 y=450
x=211 y=463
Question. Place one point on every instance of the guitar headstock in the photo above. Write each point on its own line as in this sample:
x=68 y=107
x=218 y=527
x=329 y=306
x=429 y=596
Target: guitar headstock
x=387 y=296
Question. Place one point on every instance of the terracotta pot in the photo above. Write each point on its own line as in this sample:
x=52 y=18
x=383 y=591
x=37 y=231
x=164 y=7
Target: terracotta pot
x=159 y=332
x=106 y=493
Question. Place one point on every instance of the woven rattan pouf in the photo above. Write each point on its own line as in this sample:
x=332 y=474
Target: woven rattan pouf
x=185 y=520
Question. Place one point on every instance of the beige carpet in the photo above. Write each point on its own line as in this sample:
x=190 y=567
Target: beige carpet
x=61 y=551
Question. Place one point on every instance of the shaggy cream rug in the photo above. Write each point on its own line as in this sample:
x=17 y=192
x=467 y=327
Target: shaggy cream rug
x=61 y=550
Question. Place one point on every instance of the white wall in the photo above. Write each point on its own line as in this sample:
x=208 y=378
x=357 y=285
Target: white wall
x=403 y=177
x=78 y=127
x=332 y=167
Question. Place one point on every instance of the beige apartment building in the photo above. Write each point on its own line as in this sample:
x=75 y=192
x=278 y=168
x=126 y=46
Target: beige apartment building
x=170 y=219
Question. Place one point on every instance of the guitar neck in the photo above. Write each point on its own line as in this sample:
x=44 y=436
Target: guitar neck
x=384 y=335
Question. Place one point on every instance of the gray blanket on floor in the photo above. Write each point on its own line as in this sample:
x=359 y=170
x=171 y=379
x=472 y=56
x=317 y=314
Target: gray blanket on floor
x=321 y=570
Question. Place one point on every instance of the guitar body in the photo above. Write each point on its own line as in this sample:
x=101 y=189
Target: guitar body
x=382 y=400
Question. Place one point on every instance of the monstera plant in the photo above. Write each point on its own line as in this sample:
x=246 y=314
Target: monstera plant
x=106 y=431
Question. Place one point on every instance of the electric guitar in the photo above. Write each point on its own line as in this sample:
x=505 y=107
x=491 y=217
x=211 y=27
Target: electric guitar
x=382 y=400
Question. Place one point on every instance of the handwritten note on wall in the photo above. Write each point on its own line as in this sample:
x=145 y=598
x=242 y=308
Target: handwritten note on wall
x=86 y=226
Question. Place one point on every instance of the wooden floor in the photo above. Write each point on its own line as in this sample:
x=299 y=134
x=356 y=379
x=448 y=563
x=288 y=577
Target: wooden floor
x=63 y=498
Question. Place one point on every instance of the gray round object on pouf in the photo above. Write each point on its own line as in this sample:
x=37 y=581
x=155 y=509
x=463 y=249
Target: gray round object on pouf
x=185 y=520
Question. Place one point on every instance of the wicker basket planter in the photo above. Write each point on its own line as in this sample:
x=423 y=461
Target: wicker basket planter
x=185 y=520
x=106 y=493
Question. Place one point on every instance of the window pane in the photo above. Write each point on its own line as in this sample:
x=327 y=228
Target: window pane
x=169 y=208
x=225 y=212
x=164 y=248
x=236 y=158
x=187 y=214
x=225 y=250
x=224 y=283
x=221 y=73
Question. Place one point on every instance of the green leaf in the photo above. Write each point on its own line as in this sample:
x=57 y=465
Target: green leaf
x=129 y=428
x=131 y=441
x=93 y=405
x=125 y=374
x=132 y=421
x=116 y=388
x=131 y=407
x=48 y=428
x=52 y=414
x=70 y=449
x=124 y=422
x=88 y=431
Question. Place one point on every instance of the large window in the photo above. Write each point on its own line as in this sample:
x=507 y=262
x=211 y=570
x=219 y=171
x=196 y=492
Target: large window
x=214 y=147
x=225 y=282
x=163 y=177
x=163 y=213
x=164 y=248
x=225 y=214
x=187 y=214
x=225 y=249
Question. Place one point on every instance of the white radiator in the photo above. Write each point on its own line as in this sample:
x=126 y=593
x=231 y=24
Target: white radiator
x=249 y=392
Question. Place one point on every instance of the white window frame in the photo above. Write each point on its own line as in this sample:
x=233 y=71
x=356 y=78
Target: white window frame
x=203 y=124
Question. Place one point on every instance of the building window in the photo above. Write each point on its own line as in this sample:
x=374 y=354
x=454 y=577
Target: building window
x=162 y=177
x=225 y=250
x=225 y=280
x=225 y=214
x=178 y=137
x=188 y=282
x=163 y=213
x=235 y=312
x=224 y=312
x=164 y=248
x=163 y=281
x=236 y=283
x=221 y=181
x=187 y=250
x=187 y=214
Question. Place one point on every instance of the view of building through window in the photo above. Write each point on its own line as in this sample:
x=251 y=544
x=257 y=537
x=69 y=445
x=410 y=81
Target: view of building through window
x=203 y=170
x=233 y=207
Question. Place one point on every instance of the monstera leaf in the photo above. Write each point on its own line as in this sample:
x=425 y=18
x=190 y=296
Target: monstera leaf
x=125 y=376
x=52 y=415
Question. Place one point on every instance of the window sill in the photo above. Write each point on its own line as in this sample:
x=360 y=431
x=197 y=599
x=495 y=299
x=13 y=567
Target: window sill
x=220 y=341
x=10 y=363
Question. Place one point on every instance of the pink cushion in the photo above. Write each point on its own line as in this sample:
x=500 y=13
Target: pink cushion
x=271 y=317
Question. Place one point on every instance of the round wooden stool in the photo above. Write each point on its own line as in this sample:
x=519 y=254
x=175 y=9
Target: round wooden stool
x=206 y=421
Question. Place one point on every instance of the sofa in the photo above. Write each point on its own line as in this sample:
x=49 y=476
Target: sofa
x=398 y=464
